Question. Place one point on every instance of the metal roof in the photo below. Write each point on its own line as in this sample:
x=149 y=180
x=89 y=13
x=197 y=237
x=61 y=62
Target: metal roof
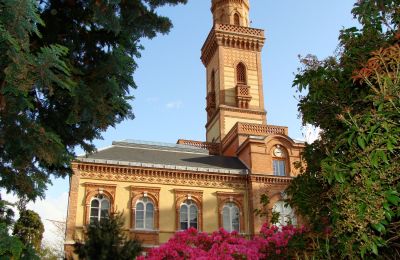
x=164 y=155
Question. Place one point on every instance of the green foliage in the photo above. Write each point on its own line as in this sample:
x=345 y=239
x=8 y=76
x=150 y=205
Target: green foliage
x=106 y=240
x=66 y=68
x=11 y=247
x=351 y=182
x=29 y=229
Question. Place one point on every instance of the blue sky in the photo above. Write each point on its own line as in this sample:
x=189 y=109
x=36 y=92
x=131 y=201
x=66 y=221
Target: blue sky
x=170 y=101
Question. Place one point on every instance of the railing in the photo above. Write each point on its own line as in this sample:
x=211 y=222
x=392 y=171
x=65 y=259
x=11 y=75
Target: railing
x=253 y=129
x=239 y=29
x=213 y=148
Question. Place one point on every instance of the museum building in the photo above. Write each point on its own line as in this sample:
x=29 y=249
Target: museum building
x=164 y=188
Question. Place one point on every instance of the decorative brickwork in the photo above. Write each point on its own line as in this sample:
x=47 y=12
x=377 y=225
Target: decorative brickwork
x=150 y=237
x=144 y=175
x=197 y=197
x=233 y=57
x=93 y=189
x=213 y=148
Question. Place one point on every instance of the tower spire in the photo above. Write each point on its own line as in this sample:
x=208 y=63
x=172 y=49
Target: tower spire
x=235 y=12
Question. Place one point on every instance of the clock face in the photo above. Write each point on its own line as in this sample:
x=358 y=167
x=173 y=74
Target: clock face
x=278 y=152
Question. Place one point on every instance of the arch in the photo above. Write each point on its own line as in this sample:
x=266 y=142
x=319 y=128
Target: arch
x=92 y=190
x=236 y=19
x=100 y=206
x=188 y=215
x=228 y=197
x=286 y=213
x=231 y=217
x=152 y=195
x=241 y=75
x=144 y=214
x=197 y=197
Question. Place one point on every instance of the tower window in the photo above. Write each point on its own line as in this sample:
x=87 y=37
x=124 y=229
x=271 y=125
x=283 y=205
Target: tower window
x=241 y=74
x=236 y=19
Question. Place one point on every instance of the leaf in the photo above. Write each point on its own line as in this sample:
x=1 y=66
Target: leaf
x=361 y=142
x=393 y=199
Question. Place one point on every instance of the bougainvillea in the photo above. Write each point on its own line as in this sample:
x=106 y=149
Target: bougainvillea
x=192 y=244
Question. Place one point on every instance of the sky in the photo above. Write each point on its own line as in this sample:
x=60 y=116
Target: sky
x=170 y=99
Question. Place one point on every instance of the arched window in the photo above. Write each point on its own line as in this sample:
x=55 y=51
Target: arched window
x=286 y=214
x=241 y=74
x=99 y=208
x=188 y=215
x=231 y=217
x=279 y=161
x=144 y=214
x=236 y=19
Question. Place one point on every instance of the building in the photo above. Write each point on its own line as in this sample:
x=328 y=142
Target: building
x=164 y=188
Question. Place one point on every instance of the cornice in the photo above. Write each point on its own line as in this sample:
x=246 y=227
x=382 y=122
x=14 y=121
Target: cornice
x=160 y=176
x=235 y=109
x=232 y=36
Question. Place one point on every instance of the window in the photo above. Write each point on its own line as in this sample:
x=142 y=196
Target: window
x=144 y=214
x=279 y=167
x=99 y=208
x=241 y=74
x=236 y=19
x=188 y=215
x=212 y=81
x=286 y=214
x=231 y=217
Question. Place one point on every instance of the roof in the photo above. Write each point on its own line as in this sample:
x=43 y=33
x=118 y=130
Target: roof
x=164 y=155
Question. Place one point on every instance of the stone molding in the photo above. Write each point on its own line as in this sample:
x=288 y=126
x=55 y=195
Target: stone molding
x=160 y=176
x=234 y=109
x=197 y=197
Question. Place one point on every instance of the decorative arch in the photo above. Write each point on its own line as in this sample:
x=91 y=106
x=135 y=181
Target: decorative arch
x=194 y=195
x=94 y=189
x=153 y=194
x=237 y=199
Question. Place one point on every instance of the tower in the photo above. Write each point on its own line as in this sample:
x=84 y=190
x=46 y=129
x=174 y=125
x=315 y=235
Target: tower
x=232 y=57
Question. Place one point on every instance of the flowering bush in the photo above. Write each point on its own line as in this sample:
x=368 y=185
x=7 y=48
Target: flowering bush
x=191 y=244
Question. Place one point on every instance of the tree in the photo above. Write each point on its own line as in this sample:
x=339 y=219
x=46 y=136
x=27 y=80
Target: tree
x=66 y=69
x=106 y=240
x=29 y=228
x=11 y=247
x=351 y=182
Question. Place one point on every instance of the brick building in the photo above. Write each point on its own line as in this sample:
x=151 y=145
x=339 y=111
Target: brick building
x=163 y=188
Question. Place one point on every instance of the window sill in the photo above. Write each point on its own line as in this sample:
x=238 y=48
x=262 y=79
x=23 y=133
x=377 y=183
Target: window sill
x=144 y=231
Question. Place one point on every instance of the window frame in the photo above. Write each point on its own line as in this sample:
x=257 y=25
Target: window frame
x=98 y=218
x=230 y=206
x=145 y=211
x=284 y=214
x=188 y=214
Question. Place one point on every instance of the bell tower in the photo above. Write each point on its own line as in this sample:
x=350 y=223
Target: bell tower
x=232 y=57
